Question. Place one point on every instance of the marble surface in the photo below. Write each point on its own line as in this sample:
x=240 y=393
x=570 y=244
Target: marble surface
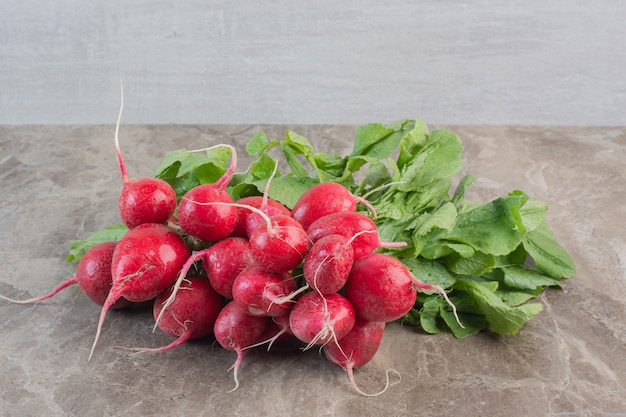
x=61 y=182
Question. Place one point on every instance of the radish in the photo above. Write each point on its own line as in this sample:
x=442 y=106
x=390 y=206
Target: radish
x=357 y=348
x=191 y=316
x=255 y=201
x=200 y=217
x=323 y=199
x=258 y=291
x=235 y=329
x=93 y=276
x=381 y=288
x=267 y=206
x=277 y=331
x=280 y=244
x=348 y=224
x=145 y=262
x=318 y=319
x=224 y=261
x=328 y=263
x=143 y=200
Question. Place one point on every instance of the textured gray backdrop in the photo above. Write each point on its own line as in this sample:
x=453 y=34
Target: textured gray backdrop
x=470 y=62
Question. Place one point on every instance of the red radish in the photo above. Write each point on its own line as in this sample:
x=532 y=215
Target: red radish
x=258 y=291
x=381 y=288
x=270 y=209
x=201 y=217
x=235 y=330
x=143 y=200
x=279 y=246
x=328 y=263
x=348 y=224
x=255 y=201
x=145 y=262
x=323 y=199
x=277 y=331
x=191 y=316
x=357 y=348
x=224 y=261
x=93 y=276
x=318 y=319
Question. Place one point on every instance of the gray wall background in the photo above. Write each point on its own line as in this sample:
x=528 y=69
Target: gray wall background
x=457 y=62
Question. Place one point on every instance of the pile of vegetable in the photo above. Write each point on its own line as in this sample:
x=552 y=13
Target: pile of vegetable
x=320 y=248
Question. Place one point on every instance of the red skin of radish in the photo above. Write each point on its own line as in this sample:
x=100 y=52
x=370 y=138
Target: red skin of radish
x=146 y=200
x=281 y=248
x=310 y=322
x=347 y=224
x=93 y=276
x=210 y=223
x=191 y=315
x=277 y=331
x=381 y=288
x=145 y=262
x=224 y=261
x=273 y=207
x=328 y=263
x=321 y=200
x=257 y=291
x=235 y=329
x=357 y=347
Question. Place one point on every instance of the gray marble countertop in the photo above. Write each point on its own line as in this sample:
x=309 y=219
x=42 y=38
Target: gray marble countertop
x=62 y=182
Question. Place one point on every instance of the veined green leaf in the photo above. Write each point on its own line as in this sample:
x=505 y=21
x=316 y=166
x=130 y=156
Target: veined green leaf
x=78 y=248
x=428 y=316
x=527 y=279
x=477 y=264
x=286 y=189
x=258 y=144
x=430 y=272
x=548 y=254
x=412 y=142
x=494 y=228
x=502 y=319
x=367 y=136
x=298 y=142
x=438 y=160
x=294 y=163
x=533 y=212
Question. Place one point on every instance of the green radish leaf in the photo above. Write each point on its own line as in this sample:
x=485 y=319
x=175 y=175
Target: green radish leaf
x=258 y=144
x=286 y=189
x=430 y=272
x=78 y=248
x=549 y=256
x=428 y=316
x=502 y=319
x=527 y=279
x=368 y=136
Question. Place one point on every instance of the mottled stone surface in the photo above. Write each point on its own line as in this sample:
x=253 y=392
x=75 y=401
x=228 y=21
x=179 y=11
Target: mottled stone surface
x=61 y=183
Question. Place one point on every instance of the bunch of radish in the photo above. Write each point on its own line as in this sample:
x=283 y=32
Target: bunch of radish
x=268 y=274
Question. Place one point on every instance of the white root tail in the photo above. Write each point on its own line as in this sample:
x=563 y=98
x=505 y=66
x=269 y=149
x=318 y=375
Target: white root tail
x=388 y=383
